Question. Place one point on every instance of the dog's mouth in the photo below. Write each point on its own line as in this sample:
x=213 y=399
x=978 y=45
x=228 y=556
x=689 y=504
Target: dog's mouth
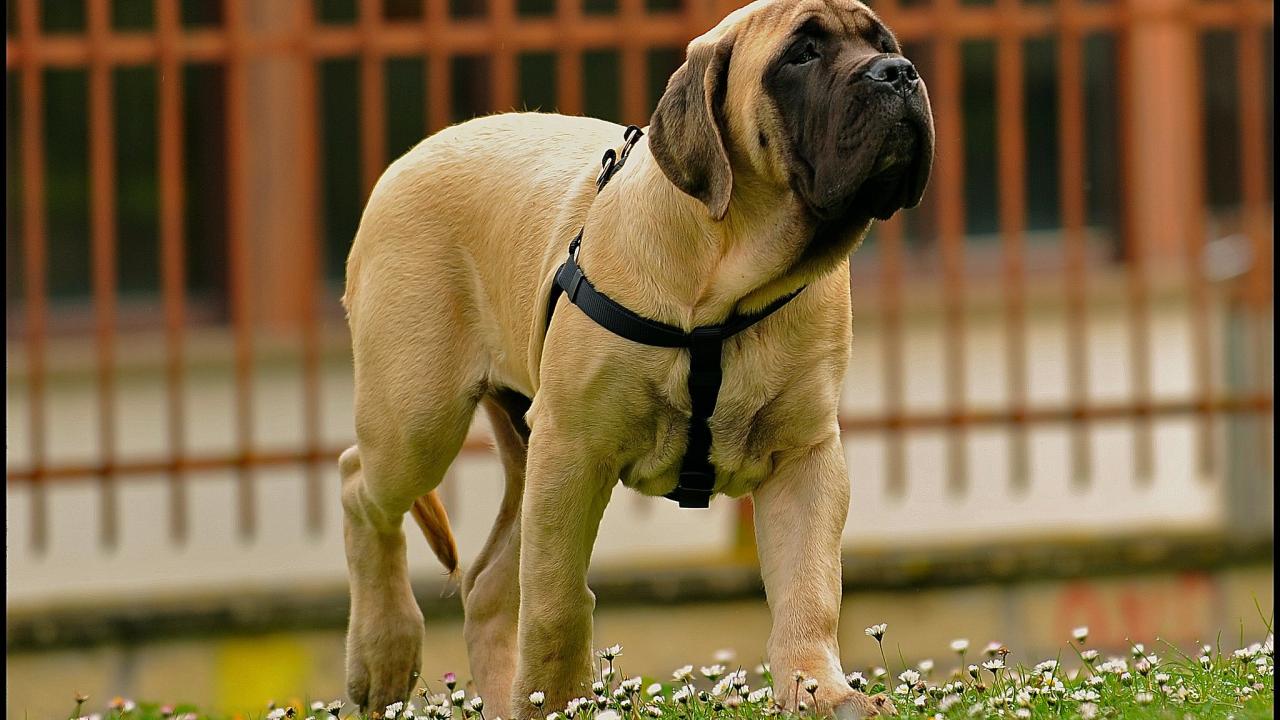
x=888 y=181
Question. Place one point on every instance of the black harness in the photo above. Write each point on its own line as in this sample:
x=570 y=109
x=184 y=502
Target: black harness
x=697 y=474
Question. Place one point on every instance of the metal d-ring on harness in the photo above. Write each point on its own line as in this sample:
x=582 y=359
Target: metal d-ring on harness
x=697 y=474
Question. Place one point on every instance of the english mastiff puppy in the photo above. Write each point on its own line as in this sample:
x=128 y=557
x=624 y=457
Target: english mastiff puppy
x=790 y=127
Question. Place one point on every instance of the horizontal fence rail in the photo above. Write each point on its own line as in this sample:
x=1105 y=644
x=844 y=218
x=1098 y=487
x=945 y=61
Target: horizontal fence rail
x=249 y=33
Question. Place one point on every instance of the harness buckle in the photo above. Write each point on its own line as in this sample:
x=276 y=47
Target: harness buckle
x=693 y=489
x=706 y=335
x=575 y=282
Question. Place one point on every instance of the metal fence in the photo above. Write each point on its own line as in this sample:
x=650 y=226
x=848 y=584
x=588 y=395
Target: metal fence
x=1151 y=38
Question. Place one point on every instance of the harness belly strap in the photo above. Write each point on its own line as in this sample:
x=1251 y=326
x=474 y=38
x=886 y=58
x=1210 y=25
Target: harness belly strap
x=705 y=344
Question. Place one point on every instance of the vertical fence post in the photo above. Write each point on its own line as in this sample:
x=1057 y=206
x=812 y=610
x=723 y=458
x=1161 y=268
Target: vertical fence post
x=1156 y=106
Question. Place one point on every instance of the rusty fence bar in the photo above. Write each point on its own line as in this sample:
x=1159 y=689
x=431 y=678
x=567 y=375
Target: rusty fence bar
x=102 y=170
x=172 y=255
x=948 y=186
x=1197 y=285
x=501 y=36
x=1135 y=256
x=35 y=263
x=1011 y=176
x=309 y=239
x=1071 y=153
x=241 y=265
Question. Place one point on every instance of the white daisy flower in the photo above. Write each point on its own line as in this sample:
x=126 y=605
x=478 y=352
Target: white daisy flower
x=713 y=672
x=610 y=652
x=877 y=631
x=759 y=696
x=684 y=674
x=536 y=699
x=654 y=690
x=1047 y=666
x=856 y=680
x=910 y=677
x=959 y=645
x=1081 y=633
x=811 y=685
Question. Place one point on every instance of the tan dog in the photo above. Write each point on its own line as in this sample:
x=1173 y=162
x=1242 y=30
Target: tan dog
x=790 y=126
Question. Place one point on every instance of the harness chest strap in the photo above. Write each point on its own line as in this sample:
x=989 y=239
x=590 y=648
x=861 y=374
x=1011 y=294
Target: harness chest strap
x=704 y=343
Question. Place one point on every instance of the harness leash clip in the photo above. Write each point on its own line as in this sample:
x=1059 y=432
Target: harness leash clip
x=608 y=163
x=574 y=244
x=612 y=161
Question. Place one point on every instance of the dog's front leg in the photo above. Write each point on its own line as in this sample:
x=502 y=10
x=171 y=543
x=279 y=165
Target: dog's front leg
x=564 y=499
x=800 y=513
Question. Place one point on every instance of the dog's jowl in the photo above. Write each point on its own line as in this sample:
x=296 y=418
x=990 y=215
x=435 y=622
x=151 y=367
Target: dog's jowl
x=791 y=126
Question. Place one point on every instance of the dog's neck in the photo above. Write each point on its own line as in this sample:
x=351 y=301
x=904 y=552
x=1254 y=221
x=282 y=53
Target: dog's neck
x=658 y=251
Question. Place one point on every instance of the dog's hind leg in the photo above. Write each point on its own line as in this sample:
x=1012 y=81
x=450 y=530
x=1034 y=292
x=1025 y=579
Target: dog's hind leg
x=411 y=421
x=491 y=588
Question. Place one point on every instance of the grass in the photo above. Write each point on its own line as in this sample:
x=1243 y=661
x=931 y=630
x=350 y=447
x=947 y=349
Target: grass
x=1148 y=682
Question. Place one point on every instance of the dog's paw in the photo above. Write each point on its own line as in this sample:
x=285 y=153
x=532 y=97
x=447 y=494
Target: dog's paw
x=859 y=706
x=383 y=657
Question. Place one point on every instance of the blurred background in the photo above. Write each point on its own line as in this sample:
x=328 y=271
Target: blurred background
x=1058 y=410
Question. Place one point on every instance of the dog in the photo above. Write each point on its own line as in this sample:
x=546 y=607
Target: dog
x=791 y=126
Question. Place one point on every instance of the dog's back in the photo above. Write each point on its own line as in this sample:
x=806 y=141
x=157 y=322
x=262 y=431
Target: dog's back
x=511 y=187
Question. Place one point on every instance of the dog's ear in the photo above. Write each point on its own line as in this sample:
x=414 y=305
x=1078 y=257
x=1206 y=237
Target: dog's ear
x=686 y=133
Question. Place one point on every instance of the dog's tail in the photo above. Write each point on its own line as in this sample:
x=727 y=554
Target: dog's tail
x=429 y=513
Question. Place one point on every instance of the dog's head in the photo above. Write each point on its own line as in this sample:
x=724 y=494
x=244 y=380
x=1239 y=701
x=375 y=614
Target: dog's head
x=811 y=97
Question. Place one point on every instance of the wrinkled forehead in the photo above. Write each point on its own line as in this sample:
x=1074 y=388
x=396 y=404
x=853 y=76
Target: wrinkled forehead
x=771 y=21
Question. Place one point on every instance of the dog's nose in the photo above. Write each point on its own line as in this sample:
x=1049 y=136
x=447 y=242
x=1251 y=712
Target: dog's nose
x=895 y=71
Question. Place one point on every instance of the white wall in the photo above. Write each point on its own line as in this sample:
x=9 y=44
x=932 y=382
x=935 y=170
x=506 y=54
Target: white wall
x=76 y=569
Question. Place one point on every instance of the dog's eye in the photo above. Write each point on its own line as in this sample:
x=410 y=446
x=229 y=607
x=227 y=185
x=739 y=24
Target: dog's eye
x=806 y=53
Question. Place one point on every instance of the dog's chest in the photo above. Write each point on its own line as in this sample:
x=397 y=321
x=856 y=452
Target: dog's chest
x=756 y=416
